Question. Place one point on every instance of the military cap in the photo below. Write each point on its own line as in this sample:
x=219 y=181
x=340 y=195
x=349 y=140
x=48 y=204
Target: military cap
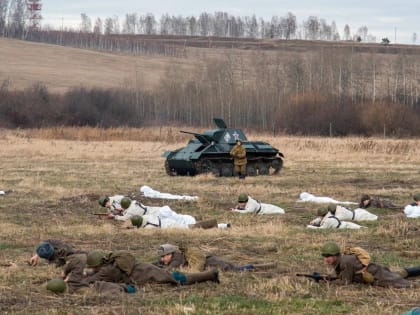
x=416 y=197
x=45 y=250
x=330 y=248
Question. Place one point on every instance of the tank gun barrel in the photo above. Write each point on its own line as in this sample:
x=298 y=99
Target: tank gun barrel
x=202 y=138
x=190 y=132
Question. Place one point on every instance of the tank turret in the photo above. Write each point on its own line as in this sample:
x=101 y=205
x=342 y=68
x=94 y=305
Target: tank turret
x=209 y=152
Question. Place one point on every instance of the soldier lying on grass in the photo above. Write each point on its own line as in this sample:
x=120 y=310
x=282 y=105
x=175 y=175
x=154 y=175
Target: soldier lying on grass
x=413 y=210
x=326 y=220
x=171 y=257
x=246 y=204
x=153 y=222
x=349 y=268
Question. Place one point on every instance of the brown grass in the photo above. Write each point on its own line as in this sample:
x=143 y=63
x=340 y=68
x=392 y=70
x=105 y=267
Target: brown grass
x=60 y=68
x=56 y=179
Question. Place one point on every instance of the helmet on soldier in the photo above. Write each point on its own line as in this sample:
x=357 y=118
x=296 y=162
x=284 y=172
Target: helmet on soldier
x=103 y=200
x=416 y=197
x=136 y=220
x=332 y=207
x=125 y=202
x=166 y=249
x=364 y=197
x=57 y=285
x=330 y=248
x=243 y=197
x=95 y=258
x=45 y=250
x=322 y=211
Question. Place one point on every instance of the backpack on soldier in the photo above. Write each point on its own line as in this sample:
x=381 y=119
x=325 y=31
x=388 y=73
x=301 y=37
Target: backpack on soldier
x=361 y=254
x=124 y=260
x=364 y=258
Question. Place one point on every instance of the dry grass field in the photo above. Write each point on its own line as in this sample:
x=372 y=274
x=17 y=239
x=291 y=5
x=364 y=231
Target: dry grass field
x=56 y=177
x=60 y=68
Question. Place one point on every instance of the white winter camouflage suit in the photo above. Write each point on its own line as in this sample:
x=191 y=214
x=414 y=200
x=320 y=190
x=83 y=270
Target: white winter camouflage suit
x=254 y=206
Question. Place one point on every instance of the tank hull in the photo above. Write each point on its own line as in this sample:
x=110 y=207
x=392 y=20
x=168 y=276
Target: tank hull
x=210 y=153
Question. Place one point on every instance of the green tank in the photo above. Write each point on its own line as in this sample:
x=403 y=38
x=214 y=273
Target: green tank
x=209 y=152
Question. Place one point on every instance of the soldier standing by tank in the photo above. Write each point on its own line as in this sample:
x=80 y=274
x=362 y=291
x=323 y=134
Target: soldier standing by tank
x=171 y=257
x=239 y=159
x=121 y=267
x=349 y=269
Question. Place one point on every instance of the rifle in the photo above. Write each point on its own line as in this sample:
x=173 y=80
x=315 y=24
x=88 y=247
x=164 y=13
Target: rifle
x=105 y=214
x=316 y=276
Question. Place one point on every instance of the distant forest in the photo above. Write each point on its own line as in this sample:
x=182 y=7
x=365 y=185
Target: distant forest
x=331 y=90
x=16 y=22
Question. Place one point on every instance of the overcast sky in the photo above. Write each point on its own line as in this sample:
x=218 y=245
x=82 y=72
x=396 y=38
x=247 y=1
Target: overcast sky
x=386 y=18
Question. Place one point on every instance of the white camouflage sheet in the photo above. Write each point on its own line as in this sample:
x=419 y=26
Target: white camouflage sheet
x=307 y=197
x=151 y=193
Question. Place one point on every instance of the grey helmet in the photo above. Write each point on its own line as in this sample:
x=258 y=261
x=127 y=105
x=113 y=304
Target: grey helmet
x=166 y=249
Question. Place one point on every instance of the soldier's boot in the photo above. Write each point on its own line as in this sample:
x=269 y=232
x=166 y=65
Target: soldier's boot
x=206 y=224
x=212 y=275
x=411 y=272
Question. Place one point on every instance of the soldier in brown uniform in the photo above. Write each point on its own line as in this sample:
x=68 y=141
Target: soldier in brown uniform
x=349 y=269
x=54 y=251
x=73 y=263
x=375 y=202
x=239 y=159
x=63 y=255
x=121 y=267
x=171 y=257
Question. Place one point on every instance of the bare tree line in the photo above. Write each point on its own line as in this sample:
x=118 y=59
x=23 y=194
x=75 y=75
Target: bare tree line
x=14 y=23
x=351 y=92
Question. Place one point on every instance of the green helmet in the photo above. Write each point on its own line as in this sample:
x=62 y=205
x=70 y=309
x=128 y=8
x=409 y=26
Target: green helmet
x=322 y=211
x=243 y=197
x=166 y=249
x=125 y=202
x=416 y=197
x=330 y=248
x=56 y=285
x=136 y=220
x=103 y=200
x=332 y=207
x=95 y=258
